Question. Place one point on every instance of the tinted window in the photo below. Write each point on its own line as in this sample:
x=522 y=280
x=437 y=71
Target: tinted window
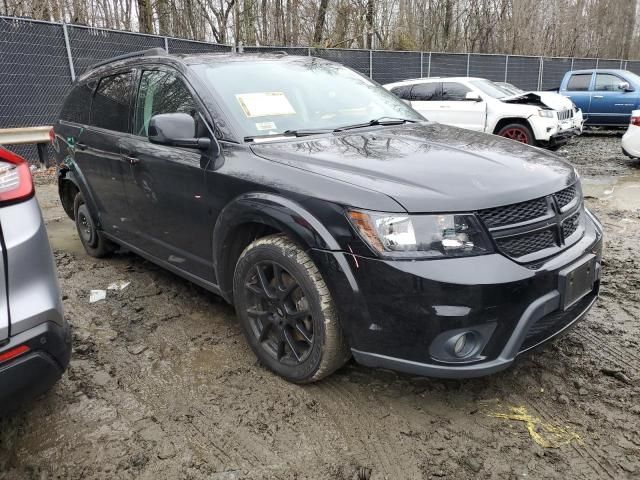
x=110 y=107
x=579 y=82
x=402 y=92
x=76 y=107
x=453 y=91
x=425 y=92
x=161 y=92
x=607 y=82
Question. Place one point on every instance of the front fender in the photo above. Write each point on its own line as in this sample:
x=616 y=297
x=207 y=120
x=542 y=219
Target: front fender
x=271 y=210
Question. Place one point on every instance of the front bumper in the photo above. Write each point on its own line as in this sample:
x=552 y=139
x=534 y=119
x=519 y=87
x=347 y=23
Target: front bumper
x=394 y=312
x=551 y=131
x=562 y=138
x=34 y=372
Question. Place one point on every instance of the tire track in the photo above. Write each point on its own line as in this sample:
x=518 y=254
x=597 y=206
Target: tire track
x=589 y=461
x=622 y=358
x=364 y=442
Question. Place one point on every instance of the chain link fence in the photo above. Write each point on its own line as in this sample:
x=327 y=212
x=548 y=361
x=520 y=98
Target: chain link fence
x=39 y=61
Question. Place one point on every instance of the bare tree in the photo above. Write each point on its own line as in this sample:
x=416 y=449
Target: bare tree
x=320 y=19
x=603 y=28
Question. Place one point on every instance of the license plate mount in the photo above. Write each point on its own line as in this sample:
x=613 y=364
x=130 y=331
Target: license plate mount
x=576 y=281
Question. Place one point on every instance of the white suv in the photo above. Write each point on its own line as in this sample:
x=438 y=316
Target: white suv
x=482 y=105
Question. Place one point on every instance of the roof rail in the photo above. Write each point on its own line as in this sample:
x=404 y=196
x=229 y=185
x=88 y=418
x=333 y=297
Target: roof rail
x=151 y=52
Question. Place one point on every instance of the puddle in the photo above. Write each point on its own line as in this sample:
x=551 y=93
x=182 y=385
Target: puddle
x=63 y=236
x=622 y=193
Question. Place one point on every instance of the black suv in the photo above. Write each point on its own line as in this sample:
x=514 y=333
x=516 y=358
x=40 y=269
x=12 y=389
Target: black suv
x=334 y=217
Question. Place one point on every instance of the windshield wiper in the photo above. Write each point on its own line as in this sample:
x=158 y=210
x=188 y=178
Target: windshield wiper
x=376 y=122
x=301 y=132
x=304 y=132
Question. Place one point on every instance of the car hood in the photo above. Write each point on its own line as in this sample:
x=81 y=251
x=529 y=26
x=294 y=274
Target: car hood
x=429 y=167
x=551 y=100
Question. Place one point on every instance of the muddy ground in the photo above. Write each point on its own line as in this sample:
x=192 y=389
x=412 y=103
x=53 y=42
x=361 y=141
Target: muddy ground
x=163 y=385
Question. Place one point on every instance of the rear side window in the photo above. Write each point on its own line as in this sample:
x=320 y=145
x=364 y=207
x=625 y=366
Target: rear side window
x=110 y=107
x=454 y=92
x=579 y=82
x=403 y=92
x=77 y=105
x=161 y=92
x=606 y=82
x=425 y=92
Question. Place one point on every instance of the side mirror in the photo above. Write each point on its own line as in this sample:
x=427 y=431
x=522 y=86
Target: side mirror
x=624 y=86
x=473 y=97
x=176 y=130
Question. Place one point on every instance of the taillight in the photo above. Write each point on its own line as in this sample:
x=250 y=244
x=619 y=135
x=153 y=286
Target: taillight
x=13 y=353
x=15 y=177
x=52 y=135
x=635 y=121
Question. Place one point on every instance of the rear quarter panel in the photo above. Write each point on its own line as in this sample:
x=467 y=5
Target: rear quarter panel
x=34 y=293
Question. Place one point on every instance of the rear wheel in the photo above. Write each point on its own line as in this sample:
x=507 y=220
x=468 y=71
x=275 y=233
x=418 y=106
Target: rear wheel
x=518 y=132
x=92 y=239
x=286 y=311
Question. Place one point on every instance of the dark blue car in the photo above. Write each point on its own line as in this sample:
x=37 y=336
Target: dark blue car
x=606 y=97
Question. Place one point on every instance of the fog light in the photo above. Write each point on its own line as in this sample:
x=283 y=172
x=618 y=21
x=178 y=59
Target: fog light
x=463 y=345
x=458 y=348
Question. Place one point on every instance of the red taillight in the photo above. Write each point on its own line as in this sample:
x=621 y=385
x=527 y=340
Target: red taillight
x=13 y=353
x=52 y=135
x=15 y=177
x=635 y=121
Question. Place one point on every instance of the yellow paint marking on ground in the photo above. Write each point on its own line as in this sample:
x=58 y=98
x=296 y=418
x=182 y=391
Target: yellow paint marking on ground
x=544 y=434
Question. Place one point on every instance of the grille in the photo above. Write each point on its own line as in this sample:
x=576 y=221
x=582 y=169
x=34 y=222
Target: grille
x=554 y=322
x=565 y=114
x=570 y=225
x=516 y=213
x=520 y=246
x=511 y=237
x=564 y=197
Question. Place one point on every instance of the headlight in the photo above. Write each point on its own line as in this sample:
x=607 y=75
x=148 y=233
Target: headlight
x=421 y=236
x=546 y=113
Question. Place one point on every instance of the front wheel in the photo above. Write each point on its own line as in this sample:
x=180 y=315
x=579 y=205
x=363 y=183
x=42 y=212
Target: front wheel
x=286 y=311
x=518 y=132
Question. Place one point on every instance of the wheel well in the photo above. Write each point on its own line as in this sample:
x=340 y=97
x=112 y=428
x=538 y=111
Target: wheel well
x=68 y=191
x=503 y=122
x=234 y=244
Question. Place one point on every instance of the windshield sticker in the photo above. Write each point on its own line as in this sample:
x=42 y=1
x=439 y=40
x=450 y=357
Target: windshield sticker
x=265 y=126
x=265 y=104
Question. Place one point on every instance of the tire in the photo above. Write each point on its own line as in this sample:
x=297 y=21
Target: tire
x=92 y=239
x=518 y=132
x=275 y=283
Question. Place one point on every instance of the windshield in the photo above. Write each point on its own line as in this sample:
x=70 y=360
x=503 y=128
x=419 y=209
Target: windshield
x=510 y=88
x=632 y=76
x=491 y=88
x=270 y=97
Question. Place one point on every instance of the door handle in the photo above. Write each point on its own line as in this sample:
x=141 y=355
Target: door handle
x=598 y=96
x=131 y=159
x=445 y=106
x=81 y=146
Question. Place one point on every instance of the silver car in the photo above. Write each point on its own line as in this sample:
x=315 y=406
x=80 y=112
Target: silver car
x=35 y=341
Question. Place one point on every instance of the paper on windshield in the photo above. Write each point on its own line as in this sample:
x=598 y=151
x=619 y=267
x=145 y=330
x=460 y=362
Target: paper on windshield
x=265 y=104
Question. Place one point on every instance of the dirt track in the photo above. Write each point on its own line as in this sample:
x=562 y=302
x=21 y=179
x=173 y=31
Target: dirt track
x=162 y=384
